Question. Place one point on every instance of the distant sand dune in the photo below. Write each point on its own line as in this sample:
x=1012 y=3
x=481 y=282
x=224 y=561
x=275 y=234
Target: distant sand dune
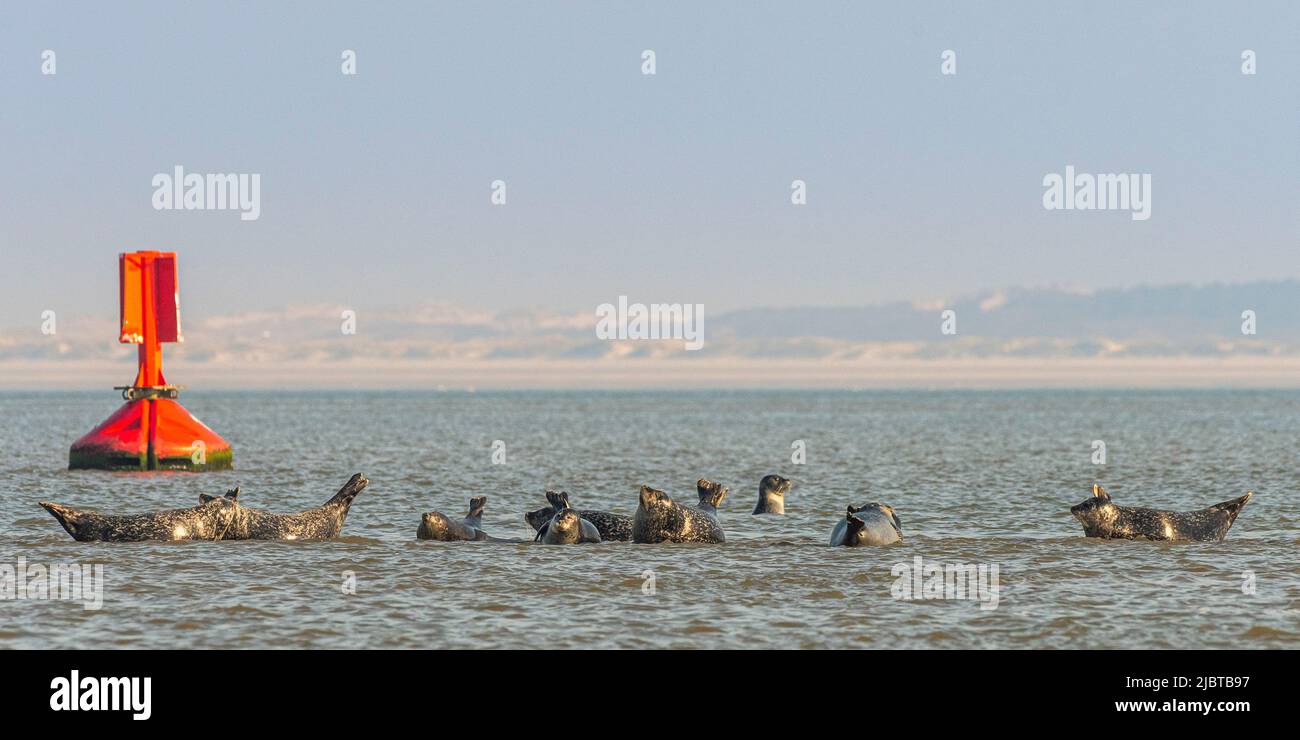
x=731 y=372
x=1144 y=337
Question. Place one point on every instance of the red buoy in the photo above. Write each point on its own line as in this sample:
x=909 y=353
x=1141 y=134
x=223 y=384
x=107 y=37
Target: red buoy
x=151 y=431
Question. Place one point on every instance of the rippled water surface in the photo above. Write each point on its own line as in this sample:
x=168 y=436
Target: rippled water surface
x=976 y=477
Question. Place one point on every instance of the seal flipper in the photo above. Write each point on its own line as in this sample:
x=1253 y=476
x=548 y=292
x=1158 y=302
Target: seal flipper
x=356 y=484
x=1233 y=508
x=853 y=523
x=500 y=540
x=711 y=494
x=68 y=517
x=559 y=500
x=231 y=493
x=475 y=516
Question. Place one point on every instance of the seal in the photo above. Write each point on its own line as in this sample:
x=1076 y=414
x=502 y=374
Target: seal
x=566 y=527
x=660 y=519
x=210 y=520
x=1101 y=517
x=771 y=495
x=321 y=523
x=435 y=525
x=870 y=524
x=612 y=527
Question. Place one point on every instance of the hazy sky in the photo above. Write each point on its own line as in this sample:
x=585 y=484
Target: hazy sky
x=672 y=187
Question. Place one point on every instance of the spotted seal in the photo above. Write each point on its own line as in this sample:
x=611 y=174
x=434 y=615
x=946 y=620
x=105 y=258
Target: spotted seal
x=660 y=519
x=612 y=527
x=871 y=524
x=771 y=495
x=1102 y=518
x=567 y=526
x=211 y=520
x=321 y=523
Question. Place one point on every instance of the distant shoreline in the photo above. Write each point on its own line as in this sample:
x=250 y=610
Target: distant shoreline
x=995 y=373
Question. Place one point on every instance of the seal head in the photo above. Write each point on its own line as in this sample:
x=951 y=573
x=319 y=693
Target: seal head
x=1098 y=514
x=771 y=495
x=538 y=518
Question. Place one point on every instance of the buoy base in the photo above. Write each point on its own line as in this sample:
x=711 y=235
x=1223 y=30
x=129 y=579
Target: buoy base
x=151 y=434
